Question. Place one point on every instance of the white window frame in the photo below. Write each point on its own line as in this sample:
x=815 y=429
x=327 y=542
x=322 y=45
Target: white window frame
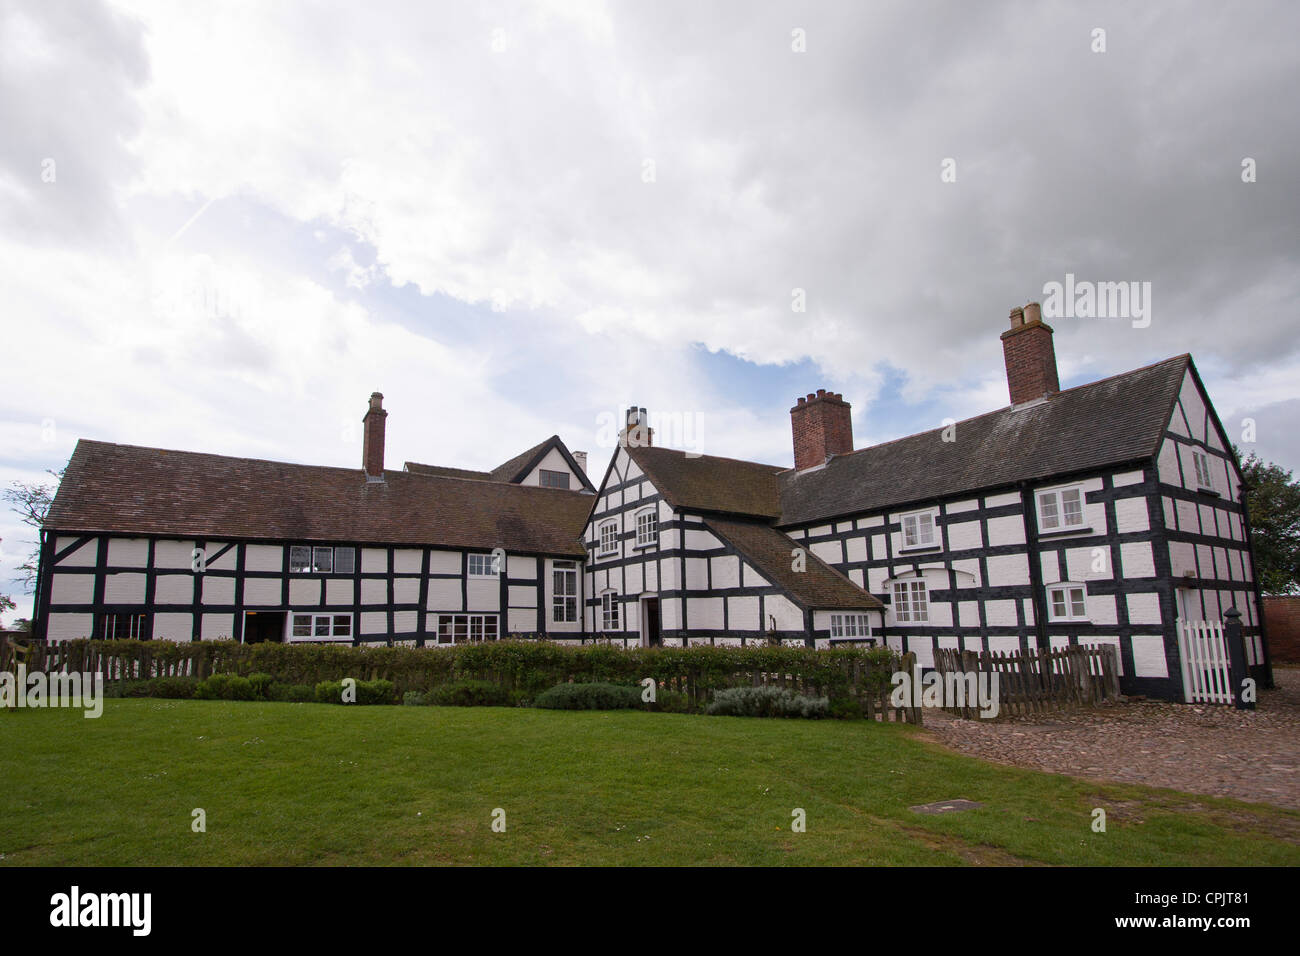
x=469 y=628
x=484 y=562
x=647 y=536
x=610 y=525
x=1066 y=588
x=851 y=625
x=610 y=611
x=321 y=625
x=915 y=518
x=1057 y=498
x=911 y=601
x=1201 y=465
x=564 y=600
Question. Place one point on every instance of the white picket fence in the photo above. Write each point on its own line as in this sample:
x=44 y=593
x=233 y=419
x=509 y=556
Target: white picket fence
x=1203 y=651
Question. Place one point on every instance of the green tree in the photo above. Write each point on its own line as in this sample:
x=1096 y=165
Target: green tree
x=1274 y=508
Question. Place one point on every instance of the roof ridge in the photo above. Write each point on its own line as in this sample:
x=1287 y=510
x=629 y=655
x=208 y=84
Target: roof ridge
x=680 y=451
x=1007 y=408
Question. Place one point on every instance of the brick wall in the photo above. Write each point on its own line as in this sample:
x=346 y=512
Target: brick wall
x=1282 y=621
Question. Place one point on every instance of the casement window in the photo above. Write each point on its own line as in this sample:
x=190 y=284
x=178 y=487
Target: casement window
x=911 y=602
x=850 y=625
x=609 y=538
x=553 y=479
x=121 y=627
x=609 y=611
x=1065 y=602
x=462 y=628
x=304 y=558
x=482 y=566
x=564 y=592
x=1060 y=509
x=918 y=530
x=320 y=626
x=647 y=528
x=1201 y=462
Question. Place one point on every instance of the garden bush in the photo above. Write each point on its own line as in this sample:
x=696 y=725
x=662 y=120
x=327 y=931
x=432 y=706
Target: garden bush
x=594 y=696
x=469 y=693
x=766 y=702
x=226 y=687
x=368 y=692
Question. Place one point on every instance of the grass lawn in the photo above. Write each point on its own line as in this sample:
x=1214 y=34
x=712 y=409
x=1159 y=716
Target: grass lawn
x=305 y=784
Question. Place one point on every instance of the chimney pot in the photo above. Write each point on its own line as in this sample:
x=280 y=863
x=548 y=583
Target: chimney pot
x=1033 y=313
x=1017 y=317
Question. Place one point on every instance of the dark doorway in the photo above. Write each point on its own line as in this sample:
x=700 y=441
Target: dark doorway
x=650 y=624
x=262 y=626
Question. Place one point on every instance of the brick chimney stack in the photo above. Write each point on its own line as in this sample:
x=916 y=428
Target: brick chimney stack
x=1029 y=355
x=372 y=445
x=823 y=426
x=636 y=433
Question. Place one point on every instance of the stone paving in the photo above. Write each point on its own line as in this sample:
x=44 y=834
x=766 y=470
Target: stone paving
x=1210 y=750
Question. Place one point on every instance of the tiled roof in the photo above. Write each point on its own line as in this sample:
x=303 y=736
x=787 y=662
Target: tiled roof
x=443 y=471
x=772 y=555
x=514 y=470
x=708 y=484
x=128 y=489
x=1112 y=421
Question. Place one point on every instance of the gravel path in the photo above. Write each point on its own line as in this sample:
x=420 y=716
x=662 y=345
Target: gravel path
x=1217 y=751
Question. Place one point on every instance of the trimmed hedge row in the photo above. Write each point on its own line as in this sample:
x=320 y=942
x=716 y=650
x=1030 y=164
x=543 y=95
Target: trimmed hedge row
x=523 y=669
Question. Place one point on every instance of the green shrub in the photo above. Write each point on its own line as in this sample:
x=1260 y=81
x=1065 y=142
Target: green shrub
x=368 y=692
x=413 y=698
x=226 y=687
x=173 y=688
x=766 y=702
x=376 y=692
x=469 y=693
x=595 y=696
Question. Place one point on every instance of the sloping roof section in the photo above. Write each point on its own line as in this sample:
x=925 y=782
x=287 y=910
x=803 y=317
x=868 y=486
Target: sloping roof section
x=513 y=471
x=708 y=484
x=819 y=586
x=133 y=490
x=444 y=471
x=1115 y=420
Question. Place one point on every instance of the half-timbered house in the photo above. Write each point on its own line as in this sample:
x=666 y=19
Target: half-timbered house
x=1101 y=514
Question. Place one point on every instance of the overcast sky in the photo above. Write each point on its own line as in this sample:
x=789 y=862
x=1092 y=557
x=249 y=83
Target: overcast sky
x=222 y=226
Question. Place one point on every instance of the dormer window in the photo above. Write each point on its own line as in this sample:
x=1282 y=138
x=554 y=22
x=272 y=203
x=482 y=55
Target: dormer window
x=553 y=479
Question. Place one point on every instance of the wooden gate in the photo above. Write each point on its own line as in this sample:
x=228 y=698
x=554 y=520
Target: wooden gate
x=1203 y=655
